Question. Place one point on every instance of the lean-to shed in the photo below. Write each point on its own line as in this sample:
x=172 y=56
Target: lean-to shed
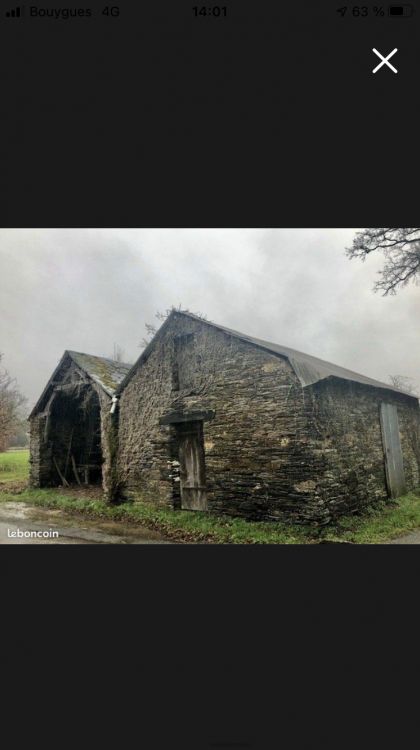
x=71 y=428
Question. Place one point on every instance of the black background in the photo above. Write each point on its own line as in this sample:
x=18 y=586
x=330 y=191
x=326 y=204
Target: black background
x=268 y=117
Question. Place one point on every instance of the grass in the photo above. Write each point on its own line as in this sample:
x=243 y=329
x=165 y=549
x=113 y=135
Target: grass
x=176 y=525
x=14 y=465
x=376 y=525
x=379 y=524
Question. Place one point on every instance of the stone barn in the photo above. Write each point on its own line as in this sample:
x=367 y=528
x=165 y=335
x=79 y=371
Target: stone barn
x=71 y=426
x=210 y=419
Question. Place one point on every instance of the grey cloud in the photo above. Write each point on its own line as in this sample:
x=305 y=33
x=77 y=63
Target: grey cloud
x=85 y=289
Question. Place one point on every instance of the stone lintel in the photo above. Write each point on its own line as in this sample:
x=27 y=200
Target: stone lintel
x=175 y=417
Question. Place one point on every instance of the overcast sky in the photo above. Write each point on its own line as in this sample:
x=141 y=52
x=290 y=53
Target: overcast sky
x=86 y=289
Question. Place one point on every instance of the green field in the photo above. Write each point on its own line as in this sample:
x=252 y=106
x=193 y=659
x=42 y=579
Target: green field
x=14 y=465
x=375 y=525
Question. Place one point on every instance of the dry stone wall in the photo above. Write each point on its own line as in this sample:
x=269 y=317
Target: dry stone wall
x=40 y=453
x=347 y=416
x=259 y=447
x=273 y=450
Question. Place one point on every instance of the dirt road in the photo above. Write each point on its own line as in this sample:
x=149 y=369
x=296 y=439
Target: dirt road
x=24 y=524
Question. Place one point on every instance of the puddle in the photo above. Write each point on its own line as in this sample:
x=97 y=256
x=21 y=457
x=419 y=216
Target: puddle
x=22 y=518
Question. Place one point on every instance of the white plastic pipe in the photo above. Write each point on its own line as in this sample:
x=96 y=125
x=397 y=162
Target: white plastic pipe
x=113 y=404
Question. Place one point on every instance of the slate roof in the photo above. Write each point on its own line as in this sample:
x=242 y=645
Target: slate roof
x=308 y=369
x=106 y=372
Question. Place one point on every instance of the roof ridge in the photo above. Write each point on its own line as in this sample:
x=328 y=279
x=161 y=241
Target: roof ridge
x=300 y=360
x=308 y=368
x=99 y=356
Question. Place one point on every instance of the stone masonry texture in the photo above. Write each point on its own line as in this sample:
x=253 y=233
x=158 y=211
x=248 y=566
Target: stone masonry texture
x=274 y=450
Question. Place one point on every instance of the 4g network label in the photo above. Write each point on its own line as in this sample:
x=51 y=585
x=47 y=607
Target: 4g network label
x=62 y=14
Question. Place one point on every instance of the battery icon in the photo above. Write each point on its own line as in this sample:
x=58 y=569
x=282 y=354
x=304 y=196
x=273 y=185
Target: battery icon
x=403 y=11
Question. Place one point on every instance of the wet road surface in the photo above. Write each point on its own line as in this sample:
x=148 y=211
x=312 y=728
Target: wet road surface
x=22 y=518
x=413 y=537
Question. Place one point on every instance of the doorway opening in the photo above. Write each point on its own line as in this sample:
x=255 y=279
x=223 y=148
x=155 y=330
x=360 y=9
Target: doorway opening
x=394 y=467
x=192 y=469
x=73 y=437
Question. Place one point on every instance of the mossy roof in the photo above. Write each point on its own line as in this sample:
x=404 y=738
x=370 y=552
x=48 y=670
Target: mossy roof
x=106 y=372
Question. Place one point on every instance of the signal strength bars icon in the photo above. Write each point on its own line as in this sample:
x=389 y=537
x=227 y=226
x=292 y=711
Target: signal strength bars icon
x=15 y=12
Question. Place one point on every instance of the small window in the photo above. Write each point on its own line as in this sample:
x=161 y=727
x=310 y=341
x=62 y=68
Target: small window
x=175 y=375
x=183 y=370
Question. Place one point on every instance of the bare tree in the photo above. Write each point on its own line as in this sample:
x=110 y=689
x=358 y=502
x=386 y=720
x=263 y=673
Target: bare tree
x=404 y=384
x=20 y=437
x=152 y=329
x=150 y=332
x=401 y=248
x=118 y=353
x=12 y=404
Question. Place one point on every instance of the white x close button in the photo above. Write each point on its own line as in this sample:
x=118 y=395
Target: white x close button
x=385 y=60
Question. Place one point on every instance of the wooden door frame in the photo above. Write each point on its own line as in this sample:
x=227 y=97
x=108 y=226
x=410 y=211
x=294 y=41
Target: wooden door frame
x=193 y=493
x=393 y=455
x=172 y=419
